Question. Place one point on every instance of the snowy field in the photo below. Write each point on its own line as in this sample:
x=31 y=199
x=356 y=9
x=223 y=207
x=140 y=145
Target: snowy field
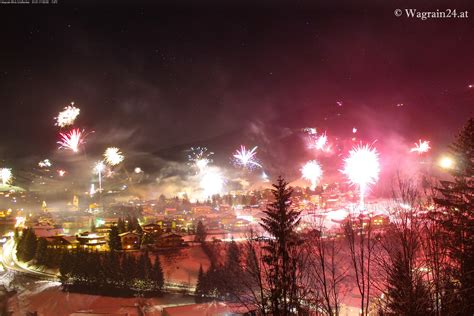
x=46 y=298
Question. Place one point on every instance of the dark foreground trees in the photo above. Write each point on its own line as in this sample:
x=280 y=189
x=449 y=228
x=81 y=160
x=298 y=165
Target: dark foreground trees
x=400 y=256
x=456 y=200
x=26 y=246
x=223 y=278
x=114 y=239
x=200 y=233
x=326 y=269
x=111 y=273
x=360 y=240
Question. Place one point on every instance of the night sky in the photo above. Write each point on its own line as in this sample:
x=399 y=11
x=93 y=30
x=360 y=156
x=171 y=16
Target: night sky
x=156 y=77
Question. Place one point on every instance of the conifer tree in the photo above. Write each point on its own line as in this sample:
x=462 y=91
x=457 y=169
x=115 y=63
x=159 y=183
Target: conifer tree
x=232 y=271
x=41 y=253
x=138 y=229
x=114 y=239
x=407 y=293
x=16 y=235
x=144 y=266
x=112 y=269
x=27 y=246
x=129 y=269
x=280 y=222
x=157 y=275
x=200 y=233
x=65 y=267
x=233 y=255
x=147 y=239
x=456 y=197
x=199 y=285
x=20 y=243
x=121 y=226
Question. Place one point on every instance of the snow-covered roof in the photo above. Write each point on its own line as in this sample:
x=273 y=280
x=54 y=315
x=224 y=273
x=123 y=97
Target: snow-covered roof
x=129 y=233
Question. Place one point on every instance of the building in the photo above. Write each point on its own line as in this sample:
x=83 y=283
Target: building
x=62 y=242
x=92 y=241
x=130 y=240
x=169 y=240
x=151 y=228
x=171 y=211
x=201 y=210
x=380 y=220
x=104 y=225
x=47 y=230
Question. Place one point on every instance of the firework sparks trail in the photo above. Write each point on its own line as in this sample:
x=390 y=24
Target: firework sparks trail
x=421 y=147
x=312 y=172
x=246 y=158
x=72 y=140
x=67 y=116
x=362 y=167
x=113 y=156
x=265 y=177
x=99 y=167
x=45 y=163
x=200 y=158
x=6 y=175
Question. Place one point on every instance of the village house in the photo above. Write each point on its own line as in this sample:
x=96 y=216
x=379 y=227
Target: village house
x=130 y=240
x=151 y=228
x=62 y=242
x=92 y=241
x=169 y=240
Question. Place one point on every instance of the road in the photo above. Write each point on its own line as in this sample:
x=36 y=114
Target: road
x=10 y=262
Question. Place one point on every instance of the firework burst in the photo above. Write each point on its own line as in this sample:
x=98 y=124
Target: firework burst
x=319 y=142
x=200 y=158
x=362 y=167
x=312 y=172
x=246 y=158
x=6 y=175
x=212 y=183
x=113 y=156
x=421 y=147
x=45 y=163
x=72 y=140
x=67 y=116
x=99 y=167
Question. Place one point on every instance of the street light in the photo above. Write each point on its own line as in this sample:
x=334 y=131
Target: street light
x=446 y=162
